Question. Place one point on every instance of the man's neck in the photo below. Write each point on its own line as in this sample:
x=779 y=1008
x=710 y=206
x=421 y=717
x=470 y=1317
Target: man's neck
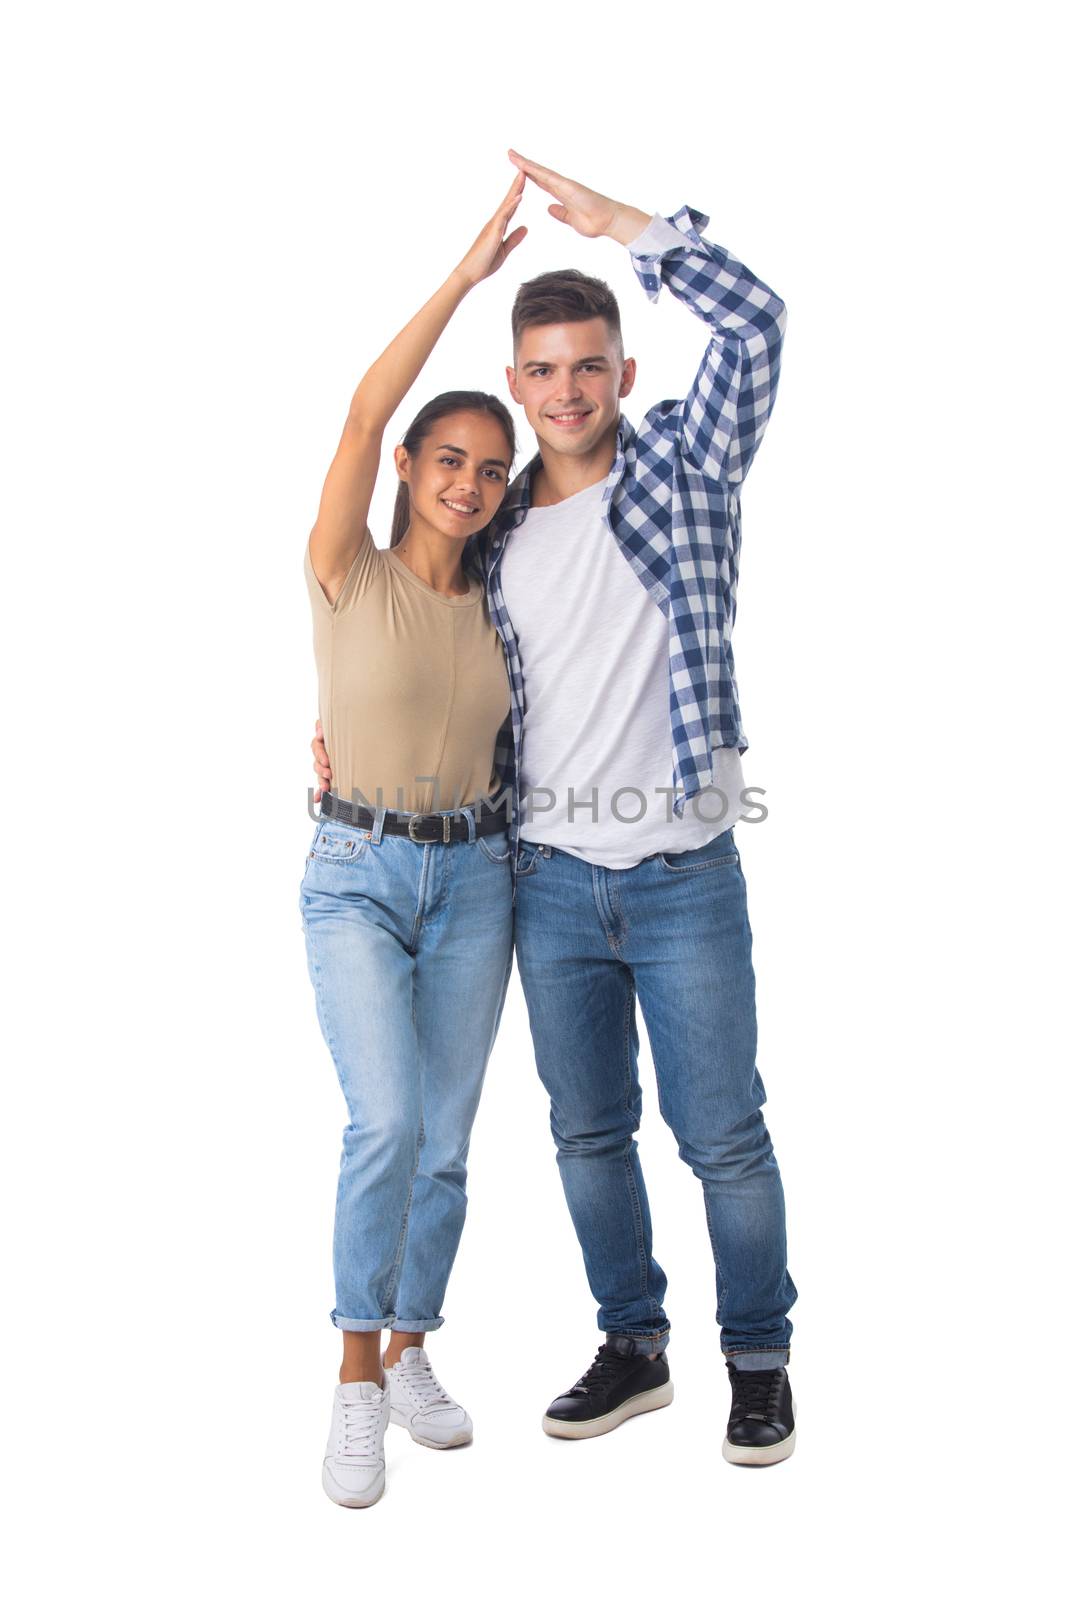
x=561 y=476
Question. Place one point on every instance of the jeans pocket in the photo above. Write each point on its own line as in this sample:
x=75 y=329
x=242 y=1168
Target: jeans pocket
x=720 y=852
x=338 y=844
x=529 y=860
x=490 y=854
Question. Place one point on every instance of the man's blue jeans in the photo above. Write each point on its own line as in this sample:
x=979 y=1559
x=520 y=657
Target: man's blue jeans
x=674 y=933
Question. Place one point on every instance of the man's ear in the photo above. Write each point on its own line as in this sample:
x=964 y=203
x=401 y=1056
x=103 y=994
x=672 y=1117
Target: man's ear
x=509 y=373
x=629 y=373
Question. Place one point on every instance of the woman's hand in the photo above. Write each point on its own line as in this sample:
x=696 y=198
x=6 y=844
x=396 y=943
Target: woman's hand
x=491 y=249
x=322 y=761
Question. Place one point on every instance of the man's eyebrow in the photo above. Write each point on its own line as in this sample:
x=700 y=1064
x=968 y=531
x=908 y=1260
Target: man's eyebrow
x=457 y=450
x=581 y=362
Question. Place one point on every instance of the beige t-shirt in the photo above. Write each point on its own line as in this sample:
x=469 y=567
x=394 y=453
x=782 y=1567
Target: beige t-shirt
x=413 y=686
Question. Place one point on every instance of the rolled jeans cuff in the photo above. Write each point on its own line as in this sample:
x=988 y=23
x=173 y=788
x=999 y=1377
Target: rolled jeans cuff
x=759 y=1360
x=414 y=1325
x=645 y=1344
x=360 y=1324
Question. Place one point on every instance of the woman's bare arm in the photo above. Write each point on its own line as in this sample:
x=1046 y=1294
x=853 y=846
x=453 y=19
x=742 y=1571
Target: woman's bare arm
x=341 y=525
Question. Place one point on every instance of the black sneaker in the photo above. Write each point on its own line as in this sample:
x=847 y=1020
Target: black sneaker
x=619 y=1384
x=761 y=1429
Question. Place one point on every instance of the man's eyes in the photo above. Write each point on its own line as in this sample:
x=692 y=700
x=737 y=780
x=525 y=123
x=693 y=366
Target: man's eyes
x=586 y=366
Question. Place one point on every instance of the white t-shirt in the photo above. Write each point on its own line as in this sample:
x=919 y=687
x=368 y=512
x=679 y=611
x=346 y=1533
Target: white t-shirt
x=596 y=726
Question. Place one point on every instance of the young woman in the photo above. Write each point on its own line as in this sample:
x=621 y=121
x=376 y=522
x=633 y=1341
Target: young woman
x=406 y=895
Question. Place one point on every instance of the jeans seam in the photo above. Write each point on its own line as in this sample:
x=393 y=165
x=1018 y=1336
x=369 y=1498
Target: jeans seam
x=635 y=1206
x=721 y=1296
x=630 y=1179
x=439 y=907
x=615 y=902
x=756 y=1350
x=602 y=902
x=424 y=872
x=394 y=1275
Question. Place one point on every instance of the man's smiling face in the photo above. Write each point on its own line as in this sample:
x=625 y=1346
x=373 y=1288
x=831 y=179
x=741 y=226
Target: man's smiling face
x=569 y=378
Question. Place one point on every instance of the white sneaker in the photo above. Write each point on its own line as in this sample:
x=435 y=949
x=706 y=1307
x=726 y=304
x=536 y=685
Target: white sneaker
x=353 y=1473
x=420 y=1405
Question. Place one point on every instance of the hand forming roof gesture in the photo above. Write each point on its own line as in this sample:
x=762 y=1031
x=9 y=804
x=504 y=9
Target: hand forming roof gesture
x=593 y=215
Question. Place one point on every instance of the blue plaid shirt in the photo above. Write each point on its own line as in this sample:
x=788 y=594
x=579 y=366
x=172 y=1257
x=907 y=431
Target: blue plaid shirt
x=672 y=497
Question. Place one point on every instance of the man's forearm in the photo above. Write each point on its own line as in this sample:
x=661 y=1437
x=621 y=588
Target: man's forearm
x=627 y=224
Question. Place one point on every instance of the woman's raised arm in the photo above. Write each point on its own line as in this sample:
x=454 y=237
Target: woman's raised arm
x=341 y=525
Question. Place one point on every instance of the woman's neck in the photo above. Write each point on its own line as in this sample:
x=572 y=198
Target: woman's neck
x=435 y=559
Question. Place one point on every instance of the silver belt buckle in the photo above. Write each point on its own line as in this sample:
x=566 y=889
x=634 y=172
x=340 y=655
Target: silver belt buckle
x=420 y=817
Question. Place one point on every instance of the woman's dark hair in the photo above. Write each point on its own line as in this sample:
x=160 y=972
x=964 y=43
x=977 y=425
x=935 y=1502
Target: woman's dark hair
x=445 y=405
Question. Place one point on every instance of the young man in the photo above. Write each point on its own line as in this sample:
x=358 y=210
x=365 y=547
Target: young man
x=611 y=575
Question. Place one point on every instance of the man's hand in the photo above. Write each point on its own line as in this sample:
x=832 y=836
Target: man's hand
x=322 y=762
x=592 y=215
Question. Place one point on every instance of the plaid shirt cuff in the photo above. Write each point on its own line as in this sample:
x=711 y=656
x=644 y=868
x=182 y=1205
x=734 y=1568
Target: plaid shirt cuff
x=664 y=234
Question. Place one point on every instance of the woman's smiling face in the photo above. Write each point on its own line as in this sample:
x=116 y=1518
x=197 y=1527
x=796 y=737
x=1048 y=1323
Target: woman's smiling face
x=459 y=475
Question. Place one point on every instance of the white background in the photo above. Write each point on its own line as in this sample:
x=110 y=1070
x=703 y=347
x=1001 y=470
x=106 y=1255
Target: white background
x=217 y=217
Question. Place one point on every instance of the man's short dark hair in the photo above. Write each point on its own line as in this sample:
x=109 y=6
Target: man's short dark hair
x=566 y=296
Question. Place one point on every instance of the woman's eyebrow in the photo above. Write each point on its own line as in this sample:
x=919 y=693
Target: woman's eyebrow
x=457 y=450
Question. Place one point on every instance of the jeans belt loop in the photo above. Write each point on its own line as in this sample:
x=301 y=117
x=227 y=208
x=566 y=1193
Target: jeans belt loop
x=379 y=824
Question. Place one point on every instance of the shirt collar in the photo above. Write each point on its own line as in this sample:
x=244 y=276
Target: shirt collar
x=517 y=501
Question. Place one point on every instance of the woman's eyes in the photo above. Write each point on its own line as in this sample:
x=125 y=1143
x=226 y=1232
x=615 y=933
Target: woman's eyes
x=450 y=461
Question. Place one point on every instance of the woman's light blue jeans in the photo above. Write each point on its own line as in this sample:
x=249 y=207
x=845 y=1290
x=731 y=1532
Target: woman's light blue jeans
x=409 y=952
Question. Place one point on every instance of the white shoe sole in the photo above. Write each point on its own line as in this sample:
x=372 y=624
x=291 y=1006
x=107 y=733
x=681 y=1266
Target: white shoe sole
x=760 y=1455
x=463 y=1436
x=345 y=1497
x=651 y=1400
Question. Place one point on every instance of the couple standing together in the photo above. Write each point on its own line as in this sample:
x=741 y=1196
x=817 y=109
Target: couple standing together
x=533 y=733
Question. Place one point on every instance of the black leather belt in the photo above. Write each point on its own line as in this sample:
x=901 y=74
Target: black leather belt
x=421 y=827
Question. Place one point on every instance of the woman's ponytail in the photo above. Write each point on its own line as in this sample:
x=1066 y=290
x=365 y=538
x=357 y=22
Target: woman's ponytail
x=401 y=514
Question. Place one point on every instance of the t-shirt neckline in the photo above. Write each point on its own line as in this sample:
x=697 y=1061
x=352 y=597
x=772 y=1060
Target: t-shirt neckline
x=398 y=564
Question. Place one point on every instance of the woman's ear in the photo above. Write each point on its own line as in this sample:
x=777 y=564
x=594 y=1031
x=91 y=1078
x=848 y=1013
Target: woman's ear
x=403 y=462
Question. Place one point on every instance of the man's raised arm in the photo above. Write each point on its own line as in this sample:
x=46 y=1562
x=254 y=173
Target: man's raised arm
x=723 y=417
x=726 y=411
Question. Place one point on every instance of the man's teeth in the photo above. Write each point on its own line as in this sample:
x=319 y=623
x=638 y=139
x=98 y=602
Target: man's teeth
x=569 y=416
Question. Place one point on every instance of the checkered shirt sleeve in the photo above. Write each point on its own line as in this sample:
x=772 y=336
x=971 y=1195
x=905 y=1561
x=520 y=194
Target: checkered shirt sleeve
x=722 y=419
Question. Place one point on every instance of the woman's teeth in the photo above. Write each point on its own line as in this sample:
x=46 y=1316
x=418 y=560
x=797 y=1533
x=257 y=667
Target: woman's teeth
x=464 y=511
